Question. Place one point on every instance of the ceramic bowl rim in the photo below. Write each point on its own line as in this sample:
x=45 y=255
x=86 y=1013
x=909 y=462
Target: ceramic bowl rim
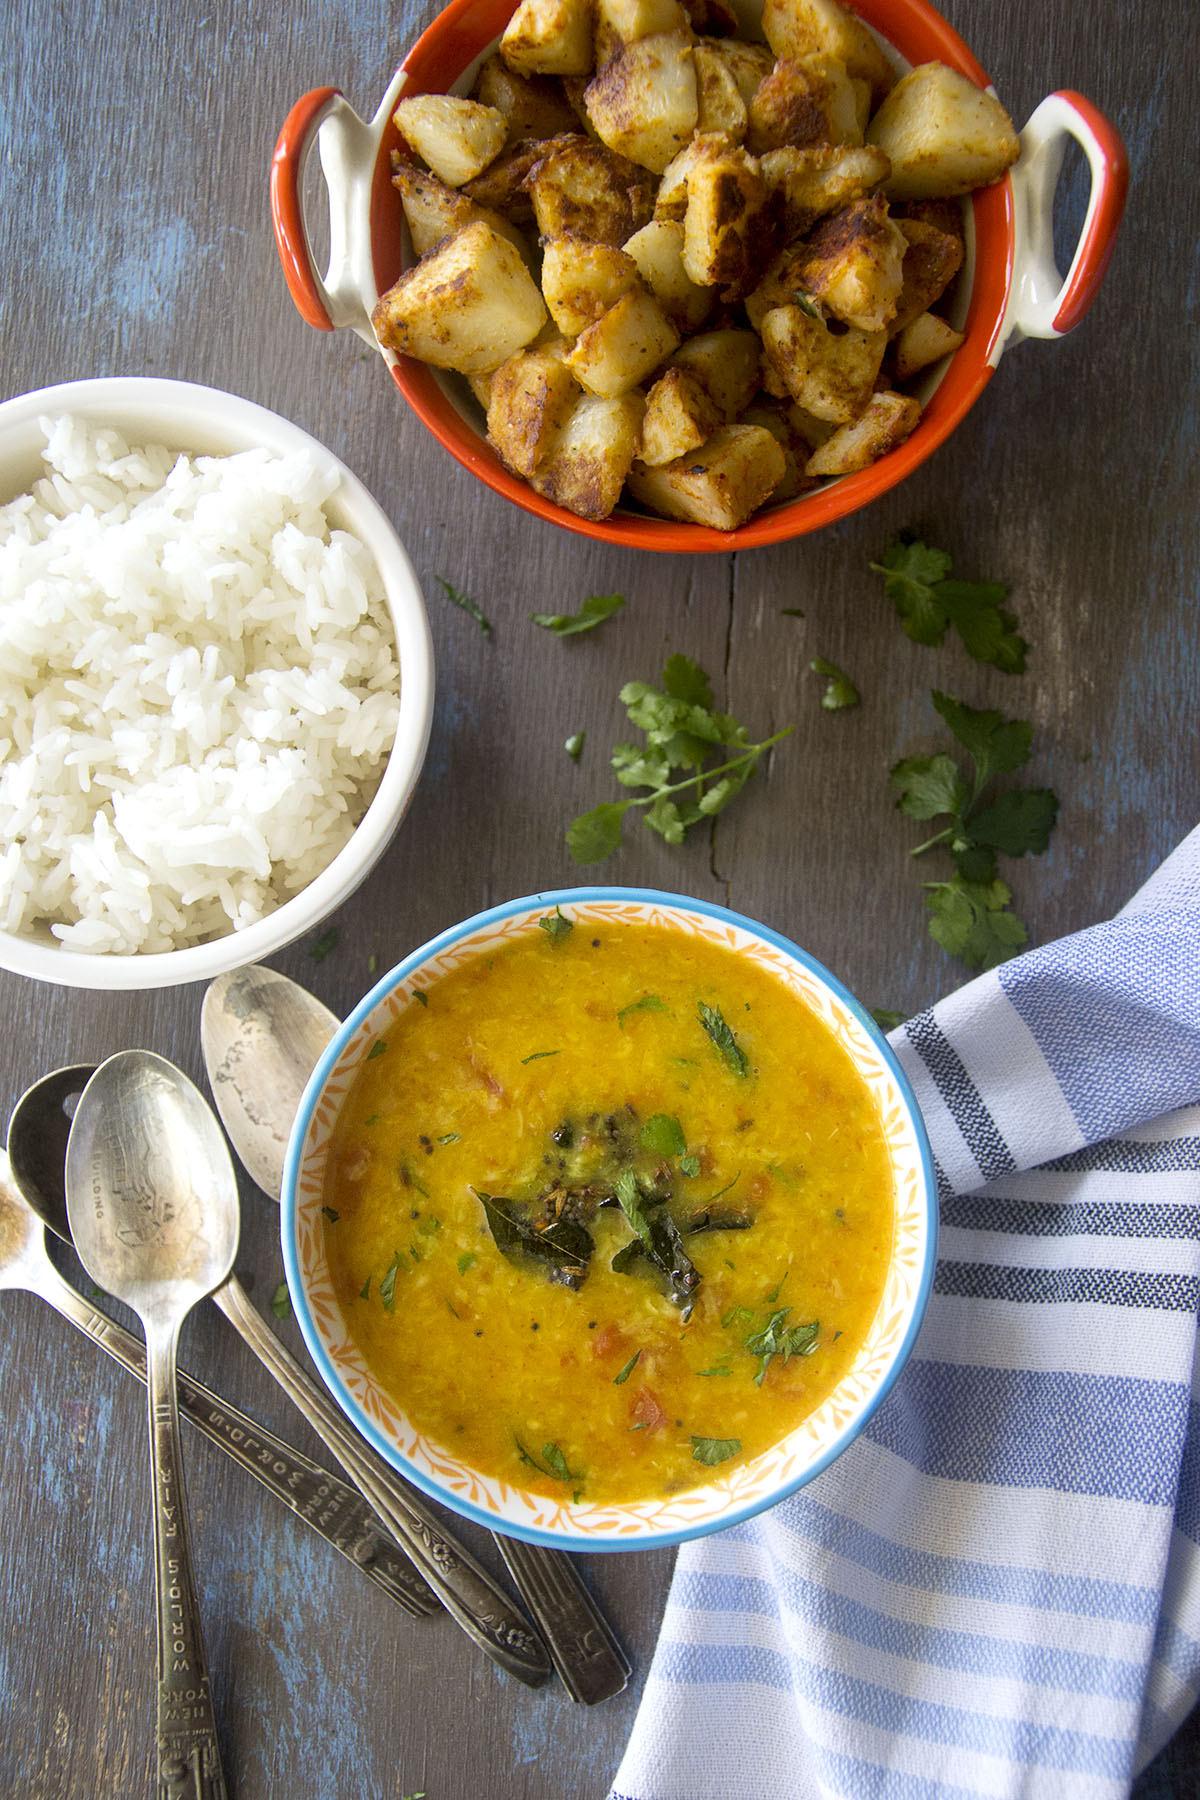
x=393 y=979
x=187 y=414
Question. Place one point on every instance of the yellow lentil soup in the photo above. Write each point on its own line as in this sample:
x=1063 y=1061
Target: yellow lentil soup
x=608 y=1210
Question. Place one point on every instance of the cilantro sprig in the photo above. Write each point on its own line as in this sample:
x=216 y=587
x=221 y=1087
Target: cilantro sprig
x=916 y=578
x=593 y=612
x=971 y=917
x=682 y=733
x=471 y=607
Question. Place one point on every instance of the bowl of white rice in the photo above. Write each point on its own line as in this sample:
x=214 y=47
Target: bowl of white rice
x=216 y=683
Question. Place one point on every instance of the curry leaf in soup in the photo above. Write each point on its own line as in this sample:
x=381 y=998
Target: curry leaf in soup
x=715 y=1450
x=663 y=1135
x=563 y=1249
x=723 y=1039
x=647 y=1003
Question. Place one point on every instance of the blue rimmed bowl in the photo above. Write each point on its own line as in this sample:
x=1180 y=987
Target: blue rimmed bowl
x=726 y=1499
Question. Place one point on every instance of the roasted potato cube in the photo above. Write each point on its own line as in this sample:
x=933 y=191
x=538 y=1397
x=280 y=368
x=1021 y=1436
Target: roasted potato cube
x=714 y=17
x=823 y=27
x=820 y=179
x=623 y=346
x=728 y=366
x=529 y=400
x=944 y=135
x=931 y=261
x=888 y=420
x=749 y=64
x=620 y=22
x=503 y=186
x=947 y=215
x=830 y=376
x=549 y=37
x=435 y=211
x=533 y=105
x=776 y=419
x=457 y=138
x=657 y=249
x=853 y=262
x=728 y=225
x=583 y=189
x=670 y=202
x=582 y=280
x=679 y=417
x=720 y=484
x=468 y=306
x=718 y=97
x=587 y=463
x=784 y=284
x=804 y=100
x=642 y=104
x=923 y=342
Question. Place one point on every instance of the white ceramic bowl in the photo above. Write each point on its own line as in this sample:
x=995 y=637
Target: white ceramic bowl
x=205 y=421
x=724 y=1500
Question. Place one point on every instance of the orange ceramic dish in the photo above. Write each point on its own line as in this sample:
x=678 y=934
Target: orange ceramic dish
x=1009 y=287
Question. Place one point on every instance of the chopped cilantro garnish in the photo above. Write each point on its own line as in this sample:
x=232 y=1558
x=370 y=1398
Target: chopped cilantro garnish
x=420 y=996
x=377 y=1049
x=840 y=691
x=449 y=1137
x=689 y=1166
x=627 y=1371
x=663 y=1135
x=281 y=1301
x=387 y=1287
x=574 y=746
x=887 y=1018
x=715 y=1450
x=466 y=1261
x=468 y=606
x=538 y=1055
x=776 y=1339
x=556 y=925
x=324 y=944
x=682 y=732
x=593 y=612
x=331 y=1215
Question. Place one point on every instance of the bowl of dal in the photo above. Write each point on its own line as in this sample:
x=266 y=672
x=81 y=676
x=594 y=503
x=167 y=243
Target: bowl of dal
x=609 y=1218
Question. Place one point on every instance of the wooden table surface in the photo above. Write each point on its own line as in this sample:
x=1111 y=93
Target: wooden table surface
x=135 y=239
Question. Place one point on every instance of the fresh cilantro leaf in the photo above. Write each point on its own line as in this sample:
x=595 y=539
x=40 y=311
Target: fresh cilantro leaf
x=627 y=1371
x=553 y=1464
x=372 y=963
x=420 y=996
x=331 y=1215
x=468 y=606
x=466 y=1261
x=793 y=612
x=807 y=303
x=997 y=745
x=715 y=1450
x=632 y=1205
x=377 y=1049
x=714 y=1024
x=916 y=580
x=281 y=1301
x=387 y=1287
x=1018 y=824
x=449 y=1137
x=929 y=785
x=593 y=612
x=685 y=680
x=364 y=1292
x=595 y=835
x=972 y=921
x=324 y=944
x=556 y=925
x=647 y=1003
x=689 y=1166
x=539 y=1056
x=574 y=746
x=717 y=1369
x=840 y=691
x=663 y=1135
x=682 y=734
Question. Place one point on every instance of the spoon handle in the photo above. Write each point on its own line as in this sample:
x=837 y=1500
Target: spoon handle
x=189 y=1759
x=331 y=1506
x=590 y=1661
x=464 y=1587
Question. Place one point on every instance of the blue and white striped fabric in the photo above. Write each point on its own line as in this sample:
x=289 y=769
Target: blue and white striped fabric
x=996 y=1590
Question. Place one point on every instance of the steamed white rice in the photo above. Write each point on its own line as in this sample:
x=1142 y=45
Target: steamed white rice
x=198 y=691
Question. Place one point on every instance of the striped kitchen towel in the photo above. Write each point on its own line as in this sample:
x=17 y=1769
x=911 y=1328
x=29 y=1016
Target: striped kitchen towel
x=996 y=1589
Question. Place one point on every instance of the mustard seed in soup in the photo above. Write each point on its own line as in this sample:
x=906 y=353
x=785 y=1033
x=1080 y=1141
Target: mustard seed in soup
x=608 y=1209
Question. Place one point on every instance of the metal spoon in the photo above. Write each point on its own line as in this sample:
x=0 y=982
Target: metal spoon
x=148 y=1195
x=466 y=1590
x=262 y=1036
x=32 y=1196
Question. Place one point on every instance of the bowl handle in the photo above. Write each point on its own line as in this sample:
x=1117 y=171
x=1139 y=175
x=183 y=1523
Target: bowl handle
x=1041 y=303
x=347 y=145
